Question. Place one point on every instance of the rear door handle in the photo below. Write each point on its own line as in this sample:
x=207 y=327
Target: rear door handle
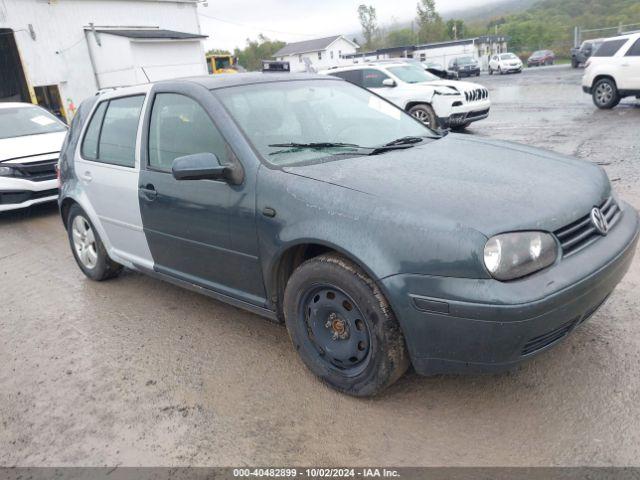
x=149 y=191
x=86 y=176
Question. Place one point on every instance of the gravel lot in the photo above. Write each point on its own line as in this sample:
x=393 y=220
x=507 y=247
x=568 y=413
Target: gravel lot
x=139 y=372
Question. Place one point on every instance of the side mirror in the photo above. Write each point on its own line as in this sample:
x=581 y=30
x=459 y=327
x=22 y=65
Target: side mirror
x=389 y=82
x=200 y=166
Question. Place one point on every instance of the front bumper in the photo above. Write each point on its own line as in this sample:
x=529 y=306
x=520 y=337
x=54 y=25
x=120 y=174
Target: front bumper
x=465 y=114
x=468 y=73
x=455 y=325
x=16 y=193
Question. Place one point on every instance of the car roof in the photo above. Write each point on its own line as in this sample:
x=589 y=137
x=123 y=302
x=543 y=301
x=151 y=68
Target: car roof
x=16 y=105
x=361 y=66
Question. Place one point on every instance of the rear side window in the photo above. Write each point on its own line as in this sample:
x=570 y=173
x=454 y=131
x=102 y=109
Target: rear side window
x=634 y=51
x=179 y=126
x=610 y=48
x=111 y=134
x=353 y=76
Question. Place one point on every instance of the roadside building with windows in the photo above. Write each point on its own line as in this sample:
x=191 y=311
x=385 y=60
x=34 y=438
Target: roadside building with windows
x=318 y=54
x=481 y=48
x=58 y=52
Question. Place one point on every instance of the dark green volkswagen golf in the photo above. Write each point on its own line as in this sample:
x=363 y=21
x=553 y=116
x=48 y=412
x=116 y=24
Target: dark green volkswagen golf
x=380 y=243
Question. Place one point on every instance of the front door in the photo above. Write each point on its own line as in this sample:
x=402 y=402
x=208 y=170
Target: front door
x=199 y=231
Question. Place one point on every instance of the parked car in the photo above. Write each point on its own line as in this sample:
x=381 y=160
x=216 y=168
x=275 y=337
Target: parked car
x=581 y=54
x=377 y=241
x=613 y=71
x=436 y=102
x=436 y=69
x=466 y=66
x=30 y=141
x=505 y=63
x=541 y=57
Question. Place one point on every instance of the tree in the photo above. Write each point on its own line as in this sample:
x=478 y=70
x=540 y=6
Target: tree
x=399 y=38
x=257 y=50
x=369 y=21
x=431 y=28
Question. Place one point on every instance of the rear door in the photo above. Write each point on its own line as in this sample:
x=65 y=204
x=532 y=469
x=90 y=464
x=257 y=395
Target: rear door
x=631 y=63
x=199 y=231
x=107 y=164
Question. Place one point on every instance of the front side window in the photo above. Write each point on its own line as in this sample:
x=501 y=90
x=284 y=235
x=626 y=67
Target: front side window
x=278 y=114
x=24 y=121
x=634 y=51
x=180 y=126
x=373 y=78
x=112 y=132
x=610 y=48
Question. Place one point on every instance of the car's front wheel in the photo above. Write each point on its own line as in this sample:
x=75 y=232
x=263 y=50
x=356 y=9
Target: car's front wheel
x=87 y=247
x=605 y=94
x=343 y=327
x=425 y=114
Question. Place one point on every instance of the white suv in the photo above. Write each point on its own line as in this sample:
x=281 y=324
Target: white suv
x=438 y=103
x=505 y=63
x=613 y=71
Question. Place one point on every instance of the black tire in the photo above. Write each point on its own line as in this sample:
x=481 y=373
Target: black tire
x=574 y=63
x=104 y=268
x=605 y=94
x=329 y=296
x=490 y=71
x=425 y=114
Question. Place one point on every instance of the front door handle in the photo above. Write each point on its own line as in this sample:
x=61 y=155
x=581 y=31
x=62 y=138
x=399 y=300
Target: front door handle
x=149 y=191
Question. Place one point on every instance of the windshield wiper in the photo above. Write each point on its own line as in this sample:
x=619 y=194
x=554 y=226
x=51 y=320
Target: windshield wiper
x=316 y=145
x=398 y=144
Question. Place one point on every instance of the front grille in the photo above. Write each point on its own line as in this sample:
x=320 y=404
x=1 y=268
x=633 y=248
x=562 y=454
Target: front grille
x=37 y=171
x=581 y=233
x=542 y=341
x=476 y=94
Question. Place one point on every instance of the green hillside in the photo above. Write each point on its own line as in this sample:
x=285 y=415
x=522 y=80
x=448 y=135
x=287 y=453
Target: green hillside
x=550 y=23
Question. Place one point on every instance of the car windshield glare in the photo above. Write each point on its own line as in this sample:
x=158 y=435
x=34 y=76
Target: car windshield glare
x=465 y=60
x=412 y=74
x=508 y=56
x=301 y=122
x=23 y=121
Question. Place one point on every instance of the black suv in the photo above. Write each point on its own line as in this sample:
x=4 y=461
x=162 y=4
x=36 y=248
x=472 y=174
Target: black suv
x=464 y=67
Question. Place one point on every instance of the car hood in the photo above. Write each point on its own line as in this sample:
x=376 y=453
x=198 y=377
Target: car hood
x=490 y=186
x=458 y=85
x=30 y=146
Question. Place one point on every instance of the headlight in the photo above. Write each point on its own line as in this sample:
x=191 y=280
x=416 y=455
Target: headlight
x=7 y=172
x=446 y=91
x=514 y=255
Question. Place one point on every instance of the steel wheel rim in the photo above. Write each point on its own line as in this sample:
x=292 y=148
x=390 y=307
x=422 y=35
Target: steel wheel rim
x=604 y=93
x=84 y=242
x=336 y=329
x=424 y=117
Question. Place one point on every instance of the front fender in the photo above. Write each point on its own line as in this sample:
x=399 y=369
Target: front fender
x=383 y=237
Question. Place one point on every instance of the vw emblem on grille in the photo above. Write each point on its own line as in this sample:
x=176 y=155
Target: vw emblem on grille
x=599 y=221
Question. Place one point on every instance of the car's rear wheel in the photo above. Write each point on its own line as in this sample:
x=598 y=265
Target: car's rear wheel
x=87 y=247
x=425 y=114
x=605 y=94
x=490 y=71
x=343 y=327
x=574 y=63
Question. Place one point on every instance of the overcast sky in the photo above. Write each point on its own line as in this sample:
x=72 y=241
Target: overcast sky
x=296 y=20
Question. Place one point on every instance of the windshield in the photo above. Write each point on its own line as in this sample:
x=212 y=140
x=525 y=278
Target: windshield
x=539 y=53
x=412 y=74
x=316 y=112
x=23 y=121
x=508 y=56
x=465 y=60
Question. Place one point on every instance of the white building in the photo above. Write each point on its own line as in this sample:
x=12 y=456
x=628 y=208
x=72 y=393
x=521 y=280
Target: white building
x=319 y=54
x=481 y=48
x=59 y=52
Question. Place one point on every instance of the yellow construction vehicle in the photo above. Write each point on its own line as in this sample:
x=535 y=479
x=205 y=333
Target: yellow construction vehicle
x=221 y=64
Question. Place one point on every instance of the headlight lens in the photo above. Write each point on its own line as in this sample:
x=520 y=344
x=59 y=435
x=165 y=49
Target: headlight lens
x=446 y=91
x=515 y=255
x=7 y=172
